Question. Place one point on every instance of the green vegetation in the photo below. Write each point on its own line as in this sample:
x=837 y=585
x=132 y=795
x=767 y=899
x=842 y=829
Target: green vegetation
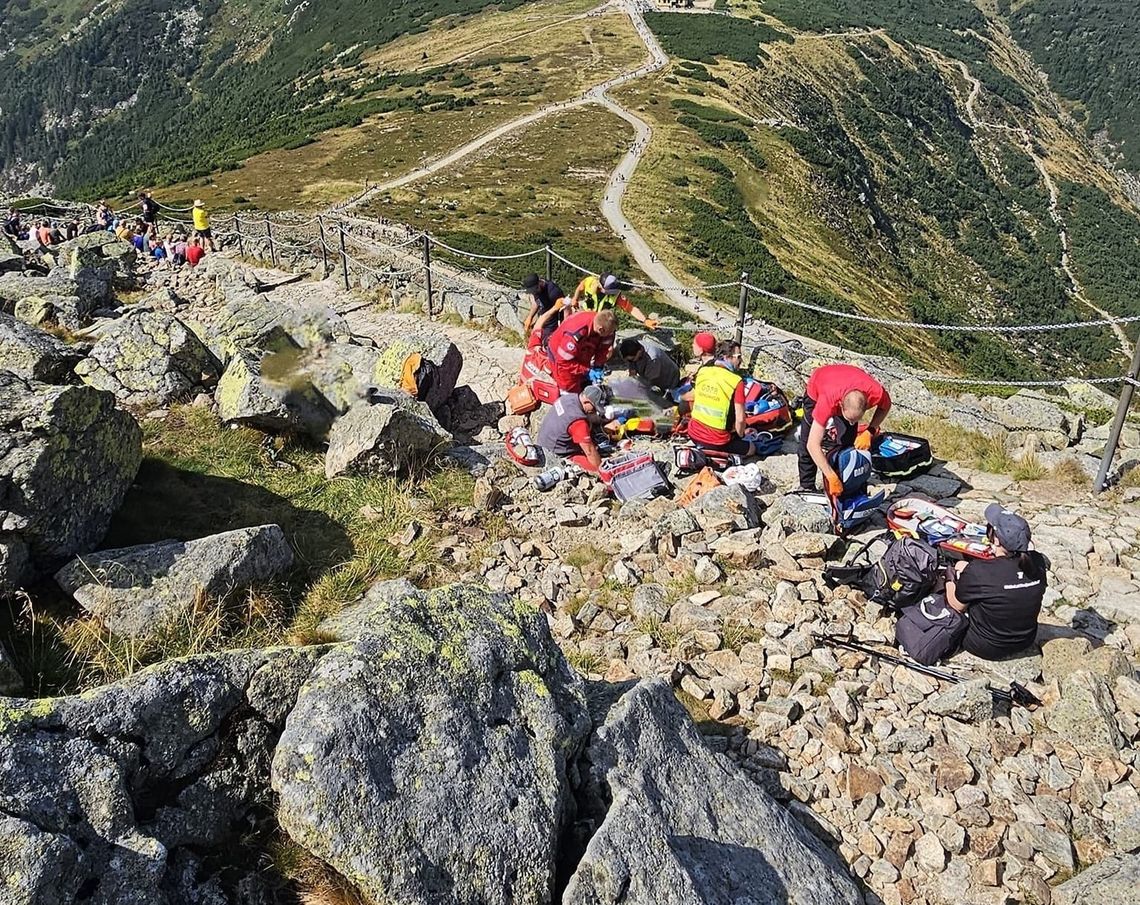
x=1091 y=51
x=193 y=91
x=709 y=38
x=1106 y=248
x=199 y=478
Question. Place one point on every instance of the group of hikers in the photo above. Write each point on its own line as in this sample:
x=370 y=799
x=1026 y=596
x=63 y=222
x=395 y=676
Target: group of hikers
x=988 y=605
x=176 y=247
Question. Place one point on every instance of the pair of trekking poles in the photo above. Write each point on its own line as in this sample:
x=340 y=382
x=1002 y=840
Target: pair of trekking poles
x=1017 y=694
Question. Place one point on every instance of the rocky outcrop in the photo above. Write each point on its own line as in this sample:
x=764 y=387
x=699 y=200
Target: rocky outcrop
x=138 y=591
x=149 y=358
x=67 y=457
x=70 y=312
x=247 y=395
x=388 y=433
x=431 y=760
x=99 y=257
x=1113 y=881
x=140 y=793
x=438 y=350
x=33 y=354
x=88 y=293
x=681 y=826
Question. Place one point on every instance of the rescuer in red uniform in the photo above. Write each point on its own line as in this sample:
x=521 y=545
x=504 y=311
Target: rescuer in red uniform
x=583 y=341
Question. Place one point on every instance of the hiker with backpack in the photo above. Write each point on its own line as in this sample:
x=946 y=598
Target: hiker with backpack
x=836 y=399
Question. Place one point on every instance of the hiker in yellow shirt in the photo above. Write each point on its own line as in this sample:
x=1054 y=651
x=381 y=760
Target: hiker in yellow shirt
x=599 y=293
x=202 y=224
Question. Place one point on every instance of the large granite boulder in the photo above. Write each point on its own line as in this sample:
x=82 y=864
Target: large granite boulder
x=275 y=398
x=1027 y=412
x=137 y=591
x=435 y=348
x=140 y=792
x=431 y=761
x=389 y=432
x=683 y=827
x=15 y=287
x=149 y=358
x=33 y=354
x=66 y=311
x=67 y=458
x=1113 y=881
x=11 y=258
x=101 y=257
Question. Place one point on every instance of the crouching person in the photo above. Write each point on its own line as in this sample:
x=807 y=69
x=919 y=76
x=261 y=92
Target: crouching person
x=567 y=431
x=990 y=606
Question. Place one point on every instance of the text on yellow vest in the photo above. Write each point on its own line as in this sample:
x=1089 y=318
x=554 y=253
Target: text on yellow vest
x=712 y=396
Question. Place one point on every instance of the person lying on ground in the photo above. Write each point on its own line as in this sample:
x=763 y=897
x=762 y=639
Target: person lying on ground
x=582 y=343
x=603 y=293
x=837 y=397
x=1001 y=597
x=547 y=301
x=568 y=430
x=651 y=363
x=716 y=403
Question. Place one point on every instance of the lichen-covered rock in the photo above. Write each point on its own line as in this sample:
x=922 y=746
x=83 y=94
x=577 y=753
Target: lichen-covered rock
x=62 y=310
x=684 y=827
x=388 y=433
x=280 y=402
x=431 y=761
x=33 y=354
x=1113 y=881
x=113 y=797
x=67 y=457
x=352 y=621
x=14 y=287
x=101 y=257
x=137 y=591
x=1029 y=412
x=11 y=261
x=431 y=347
x=1084 y=715
x=149 y=358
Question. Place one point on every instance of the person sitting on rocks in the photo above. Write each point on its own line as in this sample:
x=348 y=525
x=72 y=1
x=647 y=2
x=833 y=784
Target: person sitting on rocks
x=104 y=216
x=582 y=344
x=1001 y=597
x=730 y=355
x=44 y=235
x=124 y=232
x=716 y=403
x=194 y=251
x=567 y=431
x=547 y=304
x=836 y=398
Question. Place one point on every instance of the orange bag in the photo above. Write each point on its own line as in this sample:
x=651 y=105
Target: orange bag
x=703 y=481
x=521 y=401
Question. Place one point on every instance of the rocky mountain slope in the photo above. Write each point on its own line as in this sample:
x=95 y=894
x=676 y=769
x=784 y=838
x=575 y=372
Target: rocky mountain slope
x=515 y=731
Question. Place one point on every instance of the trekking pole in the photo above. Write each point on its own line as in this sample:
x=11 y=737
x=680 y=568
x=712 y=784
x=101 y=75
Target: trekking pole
x=324 y=248
x=1017 y=694
x=427 y=274
x=743 y=312
x=269 y=235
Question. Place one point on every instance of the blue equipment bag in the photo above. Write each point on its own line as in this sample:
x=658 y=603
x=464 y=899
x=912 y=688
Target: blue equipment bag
x=854 y=506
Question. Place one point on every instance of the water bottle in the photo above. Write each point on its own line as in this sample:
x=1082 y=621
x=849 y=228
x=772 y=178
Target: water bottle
x=549 y=478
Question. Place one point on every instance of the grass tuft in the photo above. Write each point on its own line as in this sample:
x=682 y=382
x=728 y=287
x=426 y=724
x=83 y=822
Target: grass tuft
x=1029 y=468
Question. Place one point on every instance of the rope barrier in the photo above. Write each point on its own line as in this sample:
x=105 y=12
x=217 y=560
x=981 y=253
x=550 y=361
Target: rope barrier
x=956 y=328
x=479 y=257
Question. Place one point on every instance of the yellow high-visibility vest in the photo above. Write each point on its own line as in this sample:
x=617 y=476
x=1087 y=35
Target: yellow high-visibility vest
x=712 y=396
x=595 y=299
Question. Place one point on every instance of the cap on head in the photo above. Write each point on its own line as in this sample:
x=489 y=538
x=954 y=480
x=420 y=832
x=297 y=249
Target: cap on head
x=595 y=395
x=197 y=202
x=1010 y=529
x=530 y=282
x=610 y=285
x=705 y=343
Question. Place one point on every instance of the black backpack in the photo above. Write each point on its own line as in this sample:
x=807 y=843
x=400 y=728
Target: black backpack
x=907 y=572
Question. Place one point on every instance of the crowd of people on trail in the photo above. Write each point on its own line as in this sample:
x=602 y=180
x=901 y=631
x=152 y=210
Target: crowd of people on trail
x=176 y=247
x=986 y=605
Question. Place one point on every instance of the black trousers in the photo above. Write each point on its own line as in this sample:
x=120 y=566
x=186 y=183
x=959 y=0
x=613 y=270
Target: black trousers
x=837 y=434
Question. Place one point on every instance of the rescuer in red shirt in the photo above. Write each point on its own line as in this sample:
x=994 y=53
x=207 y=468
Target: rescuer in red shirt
x=582 y=341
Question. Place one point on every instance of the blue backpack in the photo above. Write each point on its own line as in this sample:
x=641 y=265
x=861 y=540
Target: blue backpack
x=854 y=507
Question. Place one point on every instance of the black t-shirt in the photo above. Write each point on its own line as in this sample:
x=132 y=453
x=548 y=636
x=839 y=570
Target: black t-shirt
x=1002 y=604
x=545 y=296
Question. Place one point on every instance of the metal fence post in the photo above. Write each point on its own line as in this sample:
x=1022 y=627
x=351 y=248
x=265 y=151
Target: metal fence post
x=343 y=256
x=324 y=248
x=549 y=263
x=269 y=235
x=241 y=241
x=743 y=312
x=1126 y=393
x=427 y=274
